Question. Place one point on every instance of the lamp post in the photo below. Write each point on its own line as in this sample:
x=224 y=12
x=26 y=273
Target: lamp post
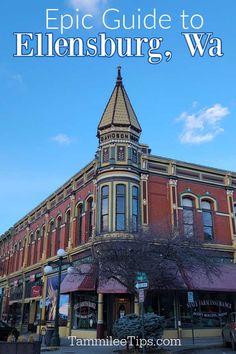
x=55 y=340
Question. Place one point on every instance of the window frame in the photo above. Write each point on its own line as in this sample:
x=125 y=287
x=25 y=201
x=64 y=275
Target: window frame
x=104 y=215
x=51 y=228
x=79 y=223
x=58 y=232
x=207 y=212
x=135 y=215
x=188 y=209
x=90 y=217
x=120 y=196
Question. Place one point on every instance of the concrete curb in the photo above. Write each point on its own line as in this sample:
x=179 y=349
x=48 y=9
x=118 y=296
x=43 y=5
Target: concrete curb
x=51 y=349
x=197 y=347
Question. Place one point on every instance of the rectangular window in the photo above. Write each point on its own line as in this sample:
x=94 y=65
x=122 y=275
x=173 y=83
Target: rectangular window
x=104 y=208
x=207 y=220
x=188 y=219
x=135 y=209
x=134 y=156
x=120 y=207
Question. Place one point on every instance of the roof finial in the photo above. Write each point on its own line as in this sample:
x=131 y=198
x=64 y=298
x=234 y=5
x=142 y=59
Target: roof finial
x=119 y=78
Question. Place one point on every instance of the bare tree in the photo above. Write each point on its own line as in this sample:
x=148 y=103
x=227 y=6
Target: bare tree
x=169 y=259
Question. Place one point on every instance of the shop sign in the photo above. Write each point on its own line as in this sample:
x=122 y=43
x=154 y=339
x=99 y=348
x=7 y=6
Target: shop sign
x=36 y=291
x=210 y=314
x=85 y=304
x=32 y=278
x=217 y=303
x=86 y=309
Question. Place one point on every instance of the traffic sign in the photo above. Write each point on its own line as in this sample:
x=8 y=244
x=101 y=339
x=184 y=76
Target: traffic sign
x=141 y=285
x=141 y=276
x=190 y=296
x=141 y=296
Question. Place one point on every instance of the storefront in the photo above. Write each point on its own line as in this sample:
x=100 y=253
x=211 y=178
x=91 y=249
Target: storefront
x=93 y=306
x=80 y=288
x=15 y=302
x=4 y=301
x=33 y=293
x=207 y=313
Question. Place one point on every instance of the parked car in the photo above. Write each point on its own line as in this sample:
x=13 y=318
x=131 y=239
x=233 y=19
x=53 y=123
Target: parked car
x=229 y=331
x=6 y=330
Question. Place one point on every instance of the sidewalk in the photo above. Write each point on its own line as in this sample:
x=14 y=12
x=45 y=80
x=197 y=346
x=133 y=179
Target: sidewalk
x=199 y=343
x=186 y=347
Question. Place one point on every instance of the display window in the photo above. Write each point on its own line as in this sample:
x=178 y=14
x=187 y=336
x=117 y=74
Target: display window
x=85 y=311
x=208 y=310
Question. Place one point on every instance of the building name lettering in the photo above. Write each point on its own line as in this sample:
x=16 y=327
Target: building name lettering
x=85 y=304
x=218 y=303
x=125 y=136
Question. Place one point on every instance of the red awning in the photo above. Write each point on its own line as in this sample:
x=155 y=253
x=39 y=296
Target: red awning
x=224 y=281
x=111 y=286
x=81 y=280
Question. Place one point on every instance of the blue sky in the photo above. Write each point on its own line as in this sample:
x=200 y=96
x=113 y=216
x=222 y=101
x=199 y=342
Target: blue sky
x=50 y=107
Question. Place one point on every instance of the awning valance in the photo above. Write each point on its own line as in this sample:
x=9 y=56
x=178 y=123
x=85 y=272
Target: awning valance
x=224 y=281
x=111 y=286
x=82 y=280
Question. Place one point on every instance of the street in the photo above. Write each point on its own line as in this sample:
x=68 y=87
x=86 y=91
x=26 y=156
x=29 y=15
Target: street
x=212 y=351
x=111 y=350
x=83 y=349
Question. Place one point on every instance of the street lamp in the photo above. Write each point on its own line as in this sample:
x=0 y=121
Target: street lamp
x=55 y=340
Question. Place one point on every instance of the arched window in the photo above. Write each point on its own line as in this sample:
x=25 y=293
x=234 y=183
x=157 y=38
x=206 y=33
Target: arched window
x=42 y=240
x=90 y=216
x=32 y=238
x=207 y=220
x=37 y=236
x=120 y=207
x=135 y=209
x=58 y=233
x=188 y=217
x=104 y=208
x=51 y=228
x=67 y=226
x=79 y=223
x=30 y=241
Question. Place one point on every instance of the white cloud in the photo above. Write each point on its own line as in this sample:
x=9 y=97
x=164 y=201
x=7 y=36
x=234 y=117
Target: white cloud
x=87 y=5
x=62 y=139
x=202 y=126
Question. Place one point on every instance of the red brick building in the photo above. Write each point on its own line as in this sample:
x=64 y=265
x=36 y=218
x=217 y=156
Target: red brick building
x=123 y=189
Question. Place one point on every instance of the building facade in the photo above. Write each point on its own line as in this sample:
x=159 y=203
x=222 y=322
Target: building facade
x=124 y=189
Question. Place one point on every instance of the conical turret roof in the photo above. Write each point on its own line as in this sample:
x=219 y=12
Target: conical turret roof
x=119 y=111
